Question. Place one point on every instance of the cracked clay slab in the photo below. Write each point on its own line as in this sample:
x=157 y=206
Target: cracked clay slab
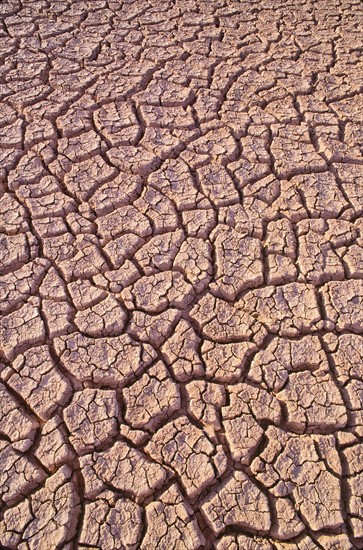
x=181 y=275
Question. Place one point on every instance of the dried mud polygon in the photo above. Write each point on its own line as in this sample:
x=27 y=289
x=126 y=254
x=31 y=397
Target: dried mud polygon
x=181 y=275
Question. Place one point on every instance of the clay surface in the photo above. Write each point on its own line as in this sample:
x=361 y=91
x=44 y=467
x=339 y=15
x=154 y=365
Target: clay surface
x=181 y=275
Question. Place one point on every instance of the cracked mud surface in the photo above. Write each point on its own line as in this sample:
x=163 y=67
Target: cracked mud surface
x=181 y=289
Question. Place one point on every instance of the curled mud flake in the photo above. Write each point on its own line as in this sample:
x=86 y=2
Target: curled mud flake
x=204 y=402
x=151 y=399
x=242 y=542
x=321 y=194
x=248 y=407
x=21 y=329
x=174 y=180
x=86 y=259
x=122 y=468
x=50 y=515
x=53 y=448
x=313 y=402
x=291 y=466
x=271 y=367
x=13 y=218
x=320 y=245
x=347 y=355
x=225 y=322
x=16 y=287
x=151 y=328
x=181 y=352
x=281 y=246
x=118 y=124
x=287 y=310
x=86 y=177
x=170 y=523
x=19 y=475
x=194 y=259
x=105 y=318
x=36 y=378
x=113 y=522
x=158 y=253
x=185 y=449
x=237 y=502
x=226 y=363
x=91 y=419
x=107 y=361
x=123 y=220
x=239 y=263
x=159 y=292
x=294 y=152
x=343 y=304
x=16 y=250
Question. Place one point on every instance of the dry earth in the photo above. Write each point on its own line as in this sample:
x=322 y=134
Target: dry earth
x=181 y=258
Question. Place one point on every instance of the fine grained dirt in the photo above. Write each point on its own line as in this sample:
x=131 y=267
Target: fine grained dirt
x=181 y=257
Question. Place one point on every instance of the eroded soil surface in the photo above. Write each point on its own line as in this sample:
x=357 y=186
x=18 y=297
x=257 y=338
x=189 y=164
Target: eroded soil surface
x=181 y=257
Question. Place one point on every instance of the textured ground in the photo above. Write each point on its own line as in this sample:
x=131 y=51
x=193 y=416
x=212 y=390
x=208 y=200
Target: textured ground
x=181 y=257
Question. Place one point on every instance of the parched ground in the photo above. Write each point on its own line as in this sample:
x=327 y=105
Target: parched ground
x=181 y=290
